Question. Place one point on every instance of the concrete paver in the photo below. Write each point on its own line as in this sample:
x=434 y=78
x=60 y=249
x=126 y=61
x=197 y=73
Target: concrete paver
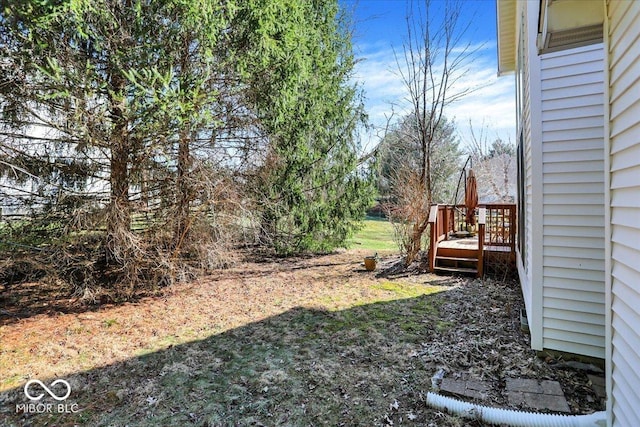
x=598 y=385
x=534 y=386
x=536 y=394
x=468 y=388
x=538 y=401
x=523 y=392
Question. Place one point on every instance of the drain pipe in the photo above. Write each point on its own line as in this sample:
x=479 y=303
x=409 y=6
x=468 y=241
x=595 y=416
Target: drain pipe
x=514 y=418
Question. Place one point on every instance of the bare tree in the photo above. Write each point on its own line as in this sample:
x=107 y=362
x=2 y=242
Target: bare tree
x=494 y=165
x=433 y=63
x=399 y=156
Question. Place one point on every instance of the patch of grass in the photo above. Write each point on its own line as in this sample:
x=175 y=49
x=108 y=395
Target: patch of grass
x=24 y=234
x=352 y=295
x=376 y=235
x=78 y=330
x=443 y=326
x=109 y=323
x=316 y=364
x=323 y=344
x=403 y=290
x=14 y=379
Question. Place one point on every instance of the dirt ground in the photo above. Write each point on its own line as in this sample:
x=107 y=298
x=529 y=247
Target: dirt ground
x=305 y=341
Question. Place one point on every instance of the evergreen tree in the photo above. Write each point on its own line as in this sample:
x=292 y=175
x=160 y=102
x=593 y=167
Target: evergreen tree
x=129 y=88
x=185 y=114
x=311 y=194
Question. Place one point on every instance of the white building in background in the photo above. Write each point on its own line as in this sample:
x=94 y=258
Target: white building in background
x=22 y=193
x=577 y=70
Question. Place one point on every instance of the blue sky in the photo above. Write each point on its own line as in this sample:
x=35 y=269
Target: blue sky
x=380 y=27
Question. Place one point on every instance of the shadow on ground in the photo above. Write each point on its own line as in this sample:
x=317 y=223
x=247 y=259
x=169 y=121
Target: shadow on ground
x=367 y=365
x=23 y=300
x=360 y=366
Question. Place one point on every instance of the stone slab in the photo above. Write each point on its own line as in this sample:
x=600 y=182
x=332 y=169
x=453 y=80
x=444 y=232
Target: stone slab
x=522 y=385
x=534 y=386
x=598 y=384
x=540 y=395
x=453 y=386
x=477 y=385
x=472 y=389
x=552 y=388
x=538 y=401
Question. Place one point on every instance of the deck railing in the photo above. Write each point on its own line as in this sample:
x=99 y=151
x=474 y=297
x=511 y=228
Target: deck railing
x=501 y=225
x=495 y=223
x=482 y=221
x=441 y=222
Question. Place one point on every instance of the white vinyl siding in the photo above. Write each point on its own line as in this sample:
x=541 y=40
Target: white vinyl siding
x=624 y=145
x=573 y=291
x=531 y=268
x=525 y=260
x=528 y=191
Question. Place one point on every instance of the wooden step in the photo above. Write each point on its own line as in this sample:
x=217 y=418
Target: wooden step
x=452 y=264
x=457 y=253
x=452 y=258
x=459 y=270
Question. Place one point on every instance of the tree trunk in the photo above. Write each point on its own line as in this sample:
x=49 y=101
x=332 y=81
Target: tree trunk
x=416 y=240
x=184 y=189
x=184 y=162
x=119 y=214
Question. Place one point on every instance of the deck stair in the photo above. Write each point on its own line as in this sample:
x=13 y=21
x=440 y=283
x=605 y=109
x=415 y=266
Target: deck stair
x=450 y=260
x=454 y=252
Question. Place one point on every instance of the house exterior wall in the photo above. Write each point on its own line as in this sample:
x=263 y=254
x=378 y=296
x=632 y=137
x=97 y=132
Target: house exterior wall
x=523 y=84
x=529 y=258
x=620 y=169
x=573 y=291
x=561 y=127
x=624 y=210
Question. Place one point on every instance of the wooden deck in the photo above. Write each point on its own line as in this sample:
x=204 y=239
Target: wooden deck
x=470 y=243
x=467 y=255
x=464 y=243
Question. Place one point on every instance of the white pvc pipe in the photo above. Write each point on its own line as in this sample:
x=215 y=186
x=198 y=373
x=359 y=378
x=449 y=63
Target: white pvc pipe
x=514 y=418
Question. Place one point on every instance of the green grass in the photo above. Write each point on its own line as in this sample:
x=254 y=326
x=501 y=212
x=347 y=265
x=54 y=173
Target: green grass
x=403 y=290
x=376 y=235
x=338 y=356
x=302 y=367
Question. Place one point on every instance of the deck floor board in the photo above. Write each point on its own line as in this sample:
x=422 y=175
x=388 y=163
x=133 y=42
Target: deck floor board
x=470 y=243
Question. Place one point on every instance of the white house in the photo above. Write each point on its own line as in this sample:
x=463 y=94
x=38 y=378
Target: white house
x=577 y=72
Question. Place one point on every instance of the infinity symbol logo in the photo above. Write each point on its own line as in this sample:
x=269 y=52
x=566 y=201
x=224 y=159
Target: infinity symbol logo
x=52 y=394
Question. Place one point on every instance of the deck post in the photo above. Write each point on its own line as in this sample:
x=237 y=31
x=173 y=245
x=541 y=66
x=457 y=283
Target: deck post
x=512 y=232
x=433 y=237
x=445 y=215
x=482 y=219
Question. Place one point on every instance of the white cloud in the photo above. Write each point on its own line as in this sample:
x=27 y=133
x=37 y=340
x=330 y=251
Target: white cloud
x=491 y=103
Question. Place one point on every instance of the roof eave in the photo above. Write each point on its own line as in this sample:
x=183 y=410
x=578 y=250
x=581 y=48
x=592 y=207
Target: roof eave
x=506 y=36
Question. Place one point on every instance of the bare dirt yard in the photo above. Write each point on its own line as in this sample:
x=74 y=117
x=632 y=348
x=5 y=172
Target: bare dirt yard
x=291 y=342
